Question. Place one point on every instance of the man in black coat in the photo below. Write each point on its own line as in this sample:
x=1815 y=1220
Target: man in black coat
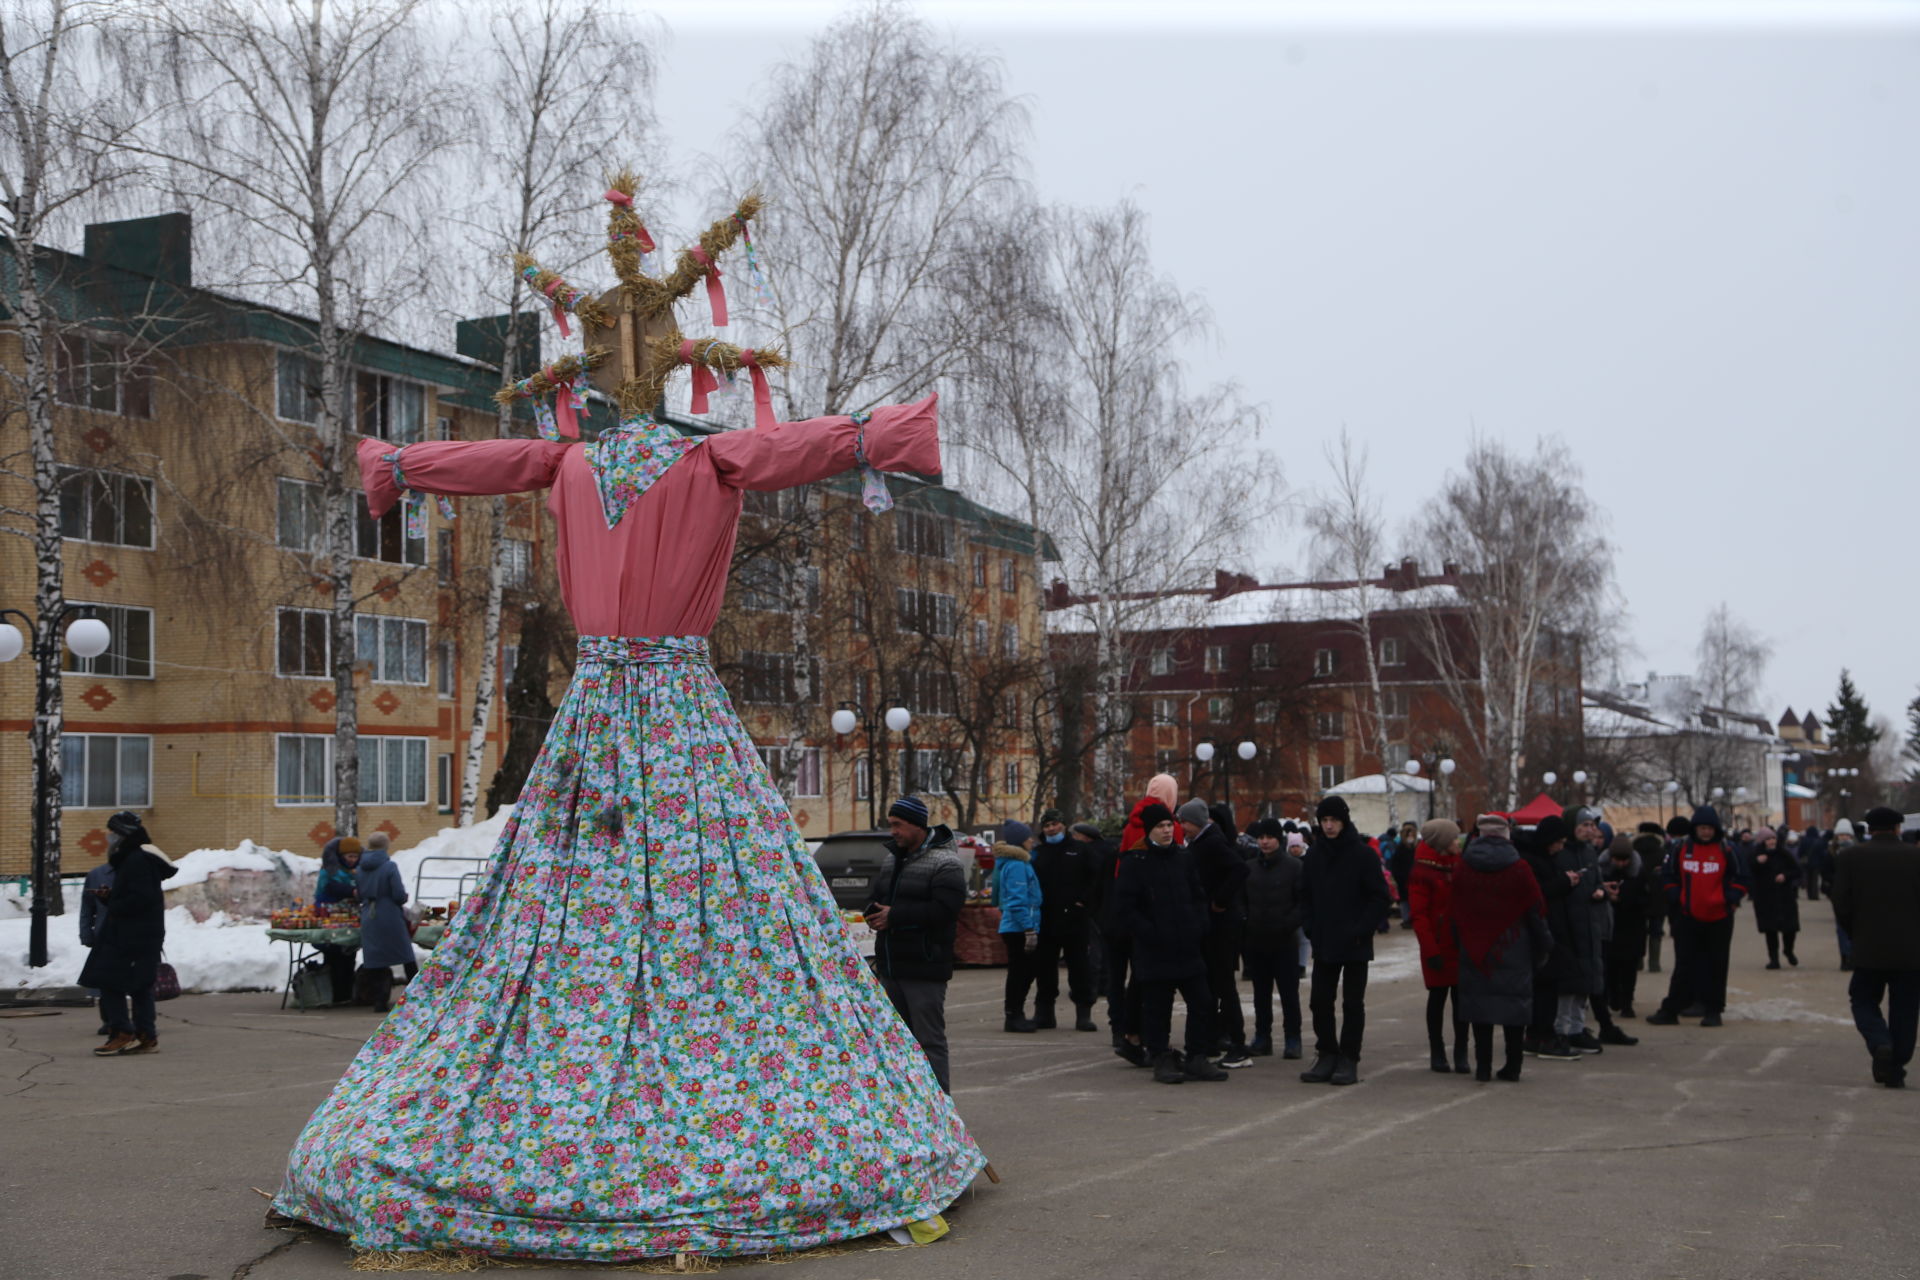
x=1164 y=909
x=1541 y=851
x=1223 y=877
x=1876 y=899
x=125 y=958
x=1272 y=947
x=1343 y=901
x=914 y=913
x=1064 y=867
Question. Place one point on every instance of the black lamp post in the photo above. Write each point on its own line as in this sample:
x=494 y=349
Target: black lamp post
x=90 y=642
x=848 y=718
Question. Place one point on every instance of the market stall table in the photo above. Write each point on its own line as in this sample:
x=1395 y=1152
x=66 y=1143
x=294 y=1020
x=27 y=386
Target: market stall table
x=976 y=940
x=304 y=945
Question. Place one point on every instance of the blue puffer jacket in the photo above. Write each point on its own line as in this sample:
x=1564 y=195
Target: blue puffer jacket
x=1016 y=890
x=384 y=938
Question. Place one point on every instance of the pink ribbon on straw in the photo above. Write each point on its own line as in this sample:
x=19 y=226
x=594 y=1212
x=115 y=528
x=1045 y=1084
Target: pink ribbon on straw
x=762 y=393
x=563 y=414
x=559 y=312
x=716 y=292
x=625 y=201
x=704 y=383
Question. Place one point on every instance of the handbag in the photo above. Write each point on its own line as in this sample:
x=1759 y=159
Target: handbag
x=166 y=983
x=312 y=986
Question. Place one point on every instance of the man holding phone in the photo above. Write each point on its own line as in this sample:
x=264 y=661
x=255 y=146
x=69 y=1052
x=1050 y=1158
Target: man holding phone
x=914 y=913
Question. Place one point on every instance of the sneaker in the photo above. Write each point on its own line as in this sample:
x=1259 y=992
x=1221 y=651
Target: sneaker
x=120 y=1041
x=1530 y=1042
x=1262 y=1047
x=1558 y=1049
x=1663 y=1018
x=1293 y=1048
x=1345 y=1071
x=1200 y=1068
x=1710 y=1020
x=1614 y=1035
x=1167 y=1069
x=1320 y=1072
x=145 y=1044
x=1510 y=1074
x=1587 y=1042
x=1136 y=1054
x=1626 y=1011
x=1236 y=1058
x=1023 y=1025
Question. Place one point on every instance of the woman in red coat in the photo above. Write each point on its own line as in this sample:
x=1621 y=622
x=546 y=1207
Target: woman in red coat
x=1430 y=904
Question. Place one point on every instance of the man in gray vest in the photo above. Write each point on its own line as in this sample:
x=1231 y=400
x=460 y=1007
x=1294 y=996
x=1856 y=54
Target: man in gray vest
x=914 y=912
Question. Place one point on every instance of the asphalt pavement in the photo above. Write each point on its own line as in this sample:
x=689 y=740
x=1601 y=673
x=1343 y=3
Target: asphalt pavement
x=1759 y=1150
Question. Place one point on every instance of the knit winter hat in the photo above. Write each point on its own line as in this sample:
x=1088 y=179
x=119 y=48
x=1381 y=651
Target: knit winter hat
x=1882 y=818
x=1493 y=824
x=1266 y=827
x=1334 y=807
x=1053 y=815
x=1195 y=811
x=1844 y=827
x=1551 y=828
x=1621 y=846
x=1015 y=832
x=911 y=809
x=349 y=845
x=1439 y=833
x=1153 y=815
x=1295 y=840
x=1650 y=845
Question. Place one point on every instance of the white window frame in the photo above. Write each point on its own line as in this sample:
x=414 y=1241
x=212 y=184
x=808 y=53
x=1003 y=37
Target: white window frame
x=1332 y=775
x=386 y=384
x=282 y=355
x=443 y=676
x=1392 y=652
x=1265 y=655
x=934 y=612
x=1164 y=712
x=862 y=779
x=67 y=475
x=125 y=371
x=516 y=564
x=383 y=623
x=326 y=632
x=1009 y=575
x=1329 y=726
x=374 y=749
x=309 y=493
x=980 y=570
x=911 y=534
x=115 y=616
x=1160 y=662
x=804 y=784
x=1325 y=662
x=1010 y=641
x=88 y=744
x=1395 y=704
x=1216 y=659
x=1219 y=709
x=399 y=521
x=982 y=637
x=443 y=776
x=1266 y=712
x=1010 y=781
x=307 y=800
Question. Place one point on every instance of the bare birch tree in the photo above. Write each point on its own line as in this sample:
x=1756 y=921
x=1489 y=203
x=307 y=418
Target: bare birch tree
x=307 y=131
x=1732 y=661
x=1536 y=585
x=65 y=106
x=1349 y=541
x=571 y=91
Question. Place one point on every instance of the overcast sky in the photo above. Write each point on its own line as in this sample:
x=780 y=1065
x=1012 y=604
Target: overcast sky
x=1681 y=237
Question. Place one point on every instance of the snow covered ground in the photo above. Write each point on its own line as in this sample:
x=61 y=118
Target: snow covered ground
x=226 y=952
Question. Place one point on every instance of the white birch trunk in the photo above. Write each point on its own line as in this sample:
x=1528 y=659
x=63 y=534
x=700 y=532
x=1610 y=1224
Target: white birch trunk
x=487 y=682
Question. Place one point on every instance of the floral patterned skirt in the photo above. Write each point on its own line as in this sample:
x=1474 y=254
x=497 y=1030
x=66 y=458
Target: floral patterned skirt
x=648 y=1032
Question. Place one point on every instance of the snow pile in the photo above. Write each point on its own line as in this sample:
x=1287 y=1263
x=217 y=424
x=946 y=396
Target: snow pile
x=200 y=865
x=219 y=953
x=441 y=880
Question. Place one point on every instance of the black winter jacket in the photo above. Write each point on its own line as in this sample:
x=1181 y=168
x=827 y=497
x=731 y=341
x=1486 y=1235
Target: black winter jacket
x=1775 y=906
x=1163 y=909
x=1343 y=898
x=1223 y=877
x=1581 y=971
x=1273 y=905
x=1065 y=871
x=1876 y=899
x=126 y=951
x=925 y=891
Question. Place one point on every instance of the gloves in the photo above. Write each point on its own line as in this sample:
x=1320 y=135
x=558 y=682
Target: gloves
x=1033 y=940
x=1435 y=962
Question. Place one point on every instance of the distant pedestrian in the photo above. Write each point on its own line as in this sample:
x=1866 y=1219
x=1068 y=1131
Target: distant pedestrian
x=1589 y=919
x=1400 y=859
x=1165 y=909
x=125 y=958
x=914 y=913
x=1542 y=855
x=1839 y=840
x=1813 y=860
x=385 y=940
x=93 y=913
x=1774 y=876
x=339 y=861
x=1345 y=897
x=1430 y=913
x=1500 y=924
x=1064 y=867
x=1272 y=945
x=1634 y=890
x=1223 y=878
x=1016 y=892
x=1876 y=898
x=1704 y=888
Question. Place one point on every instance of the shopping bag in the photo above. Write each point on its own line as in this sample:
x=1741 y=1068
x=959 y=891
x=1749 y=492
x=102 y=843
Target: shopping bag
x=166 y=983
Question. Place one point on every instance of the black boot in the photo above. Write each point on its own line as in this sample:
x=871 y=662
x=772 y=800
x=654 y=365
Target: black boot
x=1321 y=1071
x=1437 y=1059
x=1198 y=1068
x=1167 y=1069
x=1460 y=1066
x=1015 y=1022
x=1345 y=1071
x=1083 y=1018
x=1043 y=1017
x=381 y=981
x=1132 y=1053
x=1483 y=1067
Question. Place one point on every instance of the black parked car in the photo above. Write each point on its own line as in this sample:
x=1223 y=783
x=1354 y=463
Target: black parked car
x=852 y=862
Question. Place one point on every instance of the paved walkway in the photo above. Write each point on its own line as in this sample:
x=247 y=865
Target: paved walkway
x=1758 y=1151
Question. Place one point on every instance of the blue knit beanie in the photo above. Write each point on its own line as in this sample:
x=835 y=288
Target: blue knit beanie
x=911 y=809
x=1016 y=832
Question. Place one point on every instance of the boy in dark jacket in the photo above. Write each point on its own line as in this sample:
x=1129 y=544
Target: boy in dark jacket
x=1272 y=946
x=1064 y=866
x=915 y=911
x=1704 y=887
x=1344 y=901
x=1164 y=909
x=1626 y=871
x=1223 y=878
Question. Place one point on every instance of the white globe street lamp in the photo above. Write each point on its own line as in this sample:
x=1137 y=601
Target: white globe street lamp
x=1247 y=750
x=1447 y=766
x=1413 y=768
x=11 y=643
x=898 y=718
x=1671 y=787
x=1204 y=752
x=88 y=638
x=1549 y=777
x=844 y=721
x=1579 y=777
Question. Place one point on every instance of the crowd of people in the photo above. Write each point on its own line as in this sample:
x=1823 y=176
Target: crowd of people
x=1540 y=932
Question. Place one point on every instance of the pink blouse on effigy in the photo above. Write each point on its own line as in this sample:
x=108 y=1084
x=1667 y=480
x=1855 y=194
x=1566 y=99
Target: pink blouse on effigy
x=663 y=570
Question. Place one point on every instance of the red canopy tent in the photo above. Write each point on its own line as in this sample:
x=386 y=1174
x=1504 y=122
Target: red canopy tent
x=1541 y=806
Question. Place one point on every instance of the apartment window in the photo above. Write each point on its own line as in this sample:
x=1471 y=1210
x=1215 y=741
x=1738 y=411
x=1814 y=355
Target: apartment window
x=1010 y=710
x=303 y=642
x=1219 y=710
x=95 y=373
x=787 y=504
x=1161 y=663
x=386 y=538
x=105 y=771
x=768 y=584
x=857 y=534
x=302 y=513
x=1397 y=755
x=1332 y=775
x=1010 y=779
x=772 y=678
x=297 y=387
x=443 y=777
x=443 y=556
x=979 y=568
x=925 y=691
x=391 y=409
x=443 y=668
x=1391 y=652
x=103 y=506
x=862 y=614
x=509 y=661
x=1216 y=659
x=130 y=652
x=1324 y=661
x=925 y=612
x=1164 y=711
x=924 y=769
x=303 y=769
x=396 y=648
x=393 y=770
x=1329 y=726
x=1009 y=576
x=516 y=563
x=1265 y=712
x=1394 y=703
x=862 y=780
x=1265 y=656
x=795 y=771
x=1010 y=641
x=921 y=533
x=443 y=428
x=982 y=638
x=1168 y=761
